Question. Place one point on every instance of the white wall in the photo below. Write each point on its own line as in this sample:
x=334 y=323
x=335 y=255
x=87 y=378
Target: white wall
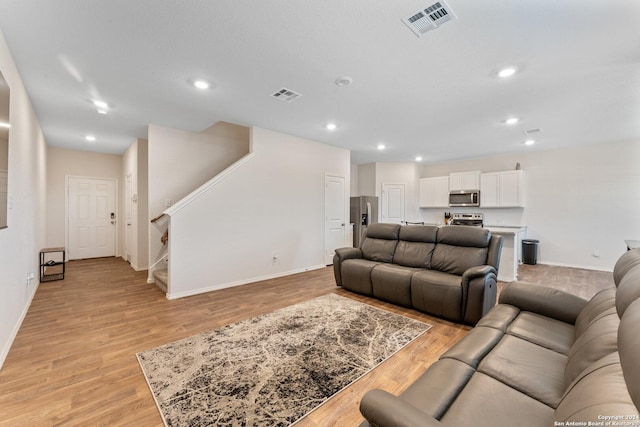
x=134 y=164
x=577 y=200
x=181 y=161
x=371 y=176
x=62 y=163
x=272 y=204
x=400 y=173
x=366 y=180
x=25 y=235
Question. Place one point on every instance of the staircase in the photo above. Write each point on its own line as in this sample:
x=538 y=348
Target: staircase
x=160 y=279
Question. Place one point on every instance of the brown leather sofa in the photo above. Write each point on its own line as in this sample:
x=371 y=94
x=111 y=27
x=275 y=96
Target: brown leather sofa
x=450 y=272
x=541 y=357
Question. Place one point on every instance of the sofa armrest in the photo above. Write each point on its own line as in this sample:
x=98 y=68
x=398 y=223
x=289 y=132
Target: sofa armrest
x=478 y=271
x=343 y=254
x=479 y=291
x=542 y=300
x=383 y=409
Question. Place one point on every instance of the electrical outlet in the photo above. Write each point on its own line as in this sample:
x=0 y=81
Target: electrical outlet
x=596 y=253
x=167 y=203
x=29 y=278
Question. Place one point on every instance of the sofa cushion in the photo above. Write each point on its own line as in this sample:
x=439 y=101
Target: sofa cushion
x=543 y=331
x=415 y=246
x=598 y=391
x=434 y=390
x=595 y=309
x=474 y=346
x=380 y=242
x=392 y=283
x=527 y=367
x=473 y=237
x=487 y=402
x=437 y=293
x=499 y=317
x=629 y=348
x=626 y=262
x=459 y=248
x=356 y=275
x=595 y=342
x=628 y=290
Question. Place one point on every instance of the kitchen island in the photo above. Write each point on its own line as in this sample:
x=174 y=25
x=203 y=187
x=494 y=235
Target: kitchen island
x=511 y=250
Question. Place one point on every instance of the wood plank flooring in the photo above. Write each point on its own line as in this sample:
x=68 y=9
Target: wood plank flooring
x=73 y=361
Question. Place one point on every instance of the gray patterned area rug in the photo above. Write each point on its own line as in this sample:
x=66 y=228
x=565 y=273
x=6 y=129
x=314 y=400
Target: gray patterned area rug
x=273 y=369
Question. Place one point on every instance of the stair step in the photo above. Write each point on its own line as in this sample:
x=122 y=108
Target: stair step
x=161 y=277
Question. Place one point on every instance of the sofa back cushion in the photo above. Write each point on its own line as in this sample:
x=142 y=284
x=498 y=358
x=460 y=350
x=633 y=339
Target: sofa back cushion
x=629 y=347
x=380 y=242
x=595 y=341
x=594 y=309
x=598 y=391
x=625 y=263
x=459 y=248
x=628 y=290
x=415 y=246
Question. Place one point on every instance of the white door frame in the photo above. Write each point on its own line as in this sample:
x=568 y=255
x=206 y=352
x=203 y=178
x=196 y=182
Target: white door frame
x=66 y=210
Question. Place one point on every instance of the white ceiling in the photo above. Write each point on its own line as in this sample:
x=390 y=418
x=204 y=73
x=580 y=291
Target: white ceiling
x=436 y=96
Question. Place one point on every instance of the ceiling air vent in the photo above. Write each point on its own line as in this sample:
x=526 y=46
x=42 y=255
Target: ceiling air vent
x=286 y=95
x=530 y=132
x=429 y=18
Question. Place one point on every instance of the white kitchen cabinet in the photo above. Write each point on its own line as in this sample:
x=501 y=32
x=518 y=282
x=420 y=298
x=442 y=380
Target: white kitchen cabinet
x=501 y=189
x=490 y=190
x=434 y=192
x=469 y=180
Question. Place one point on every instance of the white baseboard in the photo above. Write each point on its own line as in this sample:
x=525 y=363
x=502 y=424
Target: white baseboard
x=582 y=267
x=172 y=296
x=14 y=332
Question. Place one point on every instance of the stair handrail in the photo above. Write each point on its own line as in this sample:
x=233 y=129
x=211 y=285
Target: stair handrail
x=162 y=258
x=158 y=218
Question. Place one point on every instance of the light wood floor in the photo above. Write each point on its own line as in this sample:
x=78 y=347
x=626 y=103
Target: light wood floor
x=73 y=361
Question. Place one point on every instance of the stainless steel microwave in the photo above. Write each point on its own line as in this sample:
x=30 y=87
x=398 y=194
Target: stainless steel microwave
x=464 y=198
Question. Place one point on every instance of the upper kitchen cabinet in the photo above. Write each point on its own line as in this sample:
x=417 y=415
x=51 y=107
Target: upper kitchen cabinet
x=464 y=180
x=434 y=192
x=501 y=189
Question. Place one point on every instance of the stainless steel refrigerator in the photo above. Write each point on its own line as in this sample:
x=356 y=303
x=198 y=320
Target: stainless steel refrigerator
x=364 y=211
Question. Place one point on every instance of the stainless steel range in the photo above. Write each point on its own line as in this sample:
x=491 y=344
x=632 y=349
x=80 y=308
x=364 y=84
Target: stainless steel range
x=468 y=219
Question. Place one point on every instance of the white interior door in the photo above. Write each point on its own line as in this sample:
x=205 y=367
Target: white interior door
x=91 y=217
x=335 y=215
x=393 y=203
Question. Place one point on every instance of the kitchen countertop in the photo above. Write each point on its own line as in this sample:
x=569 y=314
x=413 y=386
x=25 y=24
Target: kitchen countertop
x=506 y=229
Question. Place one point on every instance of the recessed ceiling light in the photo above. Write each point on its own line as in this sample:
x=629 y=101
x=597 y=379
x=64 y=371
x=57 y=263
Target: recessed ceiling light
x=101 y=111
x=201 y=84
x=331 y=126
x=418 y=158
x=507 y=72
x=5 y=125
x=512 y=120
x=344 y=81
x=529 y=142
x=101 y=104
x=381 y=146
x=90 y=138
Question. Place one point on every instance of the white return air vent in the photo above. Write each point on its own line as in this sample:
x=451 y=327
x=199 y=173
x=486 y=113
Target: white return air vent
x=430 y=18
x=286 y=95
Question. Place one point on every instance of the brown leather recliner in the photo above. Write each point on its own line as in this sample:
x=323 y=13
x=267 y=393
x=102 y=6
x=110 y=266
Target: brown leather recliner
x=541 y=357
x=450 y=272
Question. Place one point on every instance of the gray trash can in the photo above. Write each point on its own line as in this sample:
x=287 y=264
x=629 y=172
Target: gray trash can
x=530 y=251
